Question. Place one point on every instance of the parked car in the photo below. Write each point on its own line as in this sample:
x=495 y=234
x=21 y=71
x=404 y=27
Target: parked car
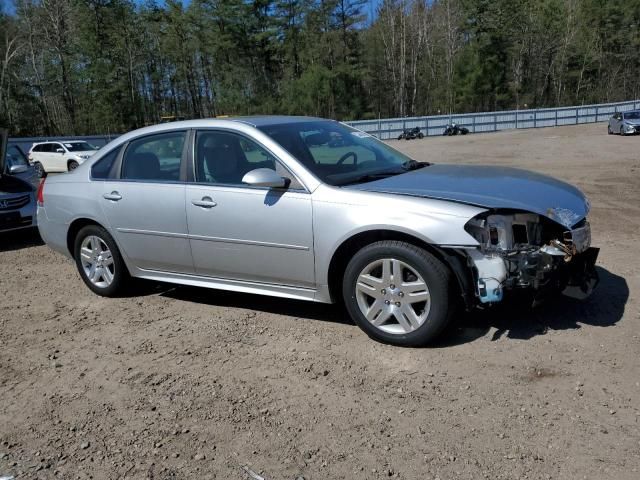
x=64 y=156
x=401 y=243
x=411 y=134
x=624 y=123
x=455 y=129
x=17 y=192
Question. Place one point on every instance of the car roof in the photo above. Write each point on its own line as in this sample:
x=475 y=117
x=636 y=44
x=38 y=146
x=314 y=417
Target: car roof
x=59 y=141
x=267 y=120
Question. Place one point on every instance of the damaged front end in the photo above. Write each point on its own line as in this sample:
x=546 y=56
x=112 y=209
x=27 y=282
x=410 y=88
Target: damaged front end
x=526 y=251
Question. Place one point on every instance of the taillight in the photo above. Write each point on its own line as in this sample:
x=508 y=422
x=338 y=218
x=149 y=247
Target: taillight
x=40 y=194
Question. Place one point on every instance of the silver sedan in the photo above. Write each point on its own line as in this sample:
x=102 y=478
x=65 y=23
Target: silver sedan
x=311 y=209
x=624 y=123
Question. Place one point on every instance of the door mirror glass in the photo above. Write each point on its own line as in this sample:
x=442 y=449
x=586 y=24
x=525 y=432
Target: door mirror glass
x=265 y=177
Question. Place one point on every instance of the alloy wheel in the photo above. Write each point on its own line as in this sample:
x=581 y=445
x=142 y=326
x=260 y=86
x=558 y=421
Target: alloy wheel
x=393 y=296
x=97 y=261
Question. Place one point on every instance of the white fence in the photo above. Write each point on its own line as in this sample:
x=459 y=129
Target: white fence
x=388 y=128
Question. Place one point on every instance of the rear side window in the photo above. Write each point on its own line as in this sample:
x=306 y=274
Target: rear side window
x=154 y=158
x=102 y=168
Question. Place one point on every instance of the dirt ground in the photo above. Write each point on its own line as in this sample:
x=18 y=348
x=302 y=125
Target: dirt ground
x=194 y=383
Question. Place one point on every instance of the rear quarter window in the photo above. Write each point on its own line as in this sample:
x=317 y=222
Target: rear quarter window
x=101 y=170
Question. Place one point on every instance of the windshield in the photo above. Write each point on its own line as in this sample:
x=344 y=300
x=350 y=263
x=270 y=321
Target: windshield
x=79 y=146
x=15 y=157
x=338 y=154
x=632 y=115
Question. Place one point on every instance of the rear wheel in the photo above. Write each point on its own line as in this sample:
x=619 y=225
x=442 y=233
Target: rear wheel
x=609 y=132
x=72 y=165
x=398 y=293
x=99 y=261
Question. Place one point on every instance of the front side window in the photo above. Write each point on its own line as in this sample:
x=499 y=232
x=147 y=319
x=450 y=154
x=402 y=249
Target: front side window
x=154 y=158
x=225 y=158
x=338 y=154
x=79 y=146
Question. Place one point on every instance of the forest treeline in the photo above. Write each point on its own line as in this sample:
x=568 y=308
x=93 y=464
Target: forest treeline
x=104 y=66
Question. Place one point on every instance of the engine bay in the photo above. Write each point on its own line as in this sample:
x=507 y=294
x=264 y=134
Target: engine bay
x=520 y=250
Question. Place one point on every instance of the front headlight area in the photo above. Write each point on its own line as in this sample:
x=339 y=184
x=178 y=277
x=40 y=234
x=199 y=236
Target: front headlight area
x=519 y=250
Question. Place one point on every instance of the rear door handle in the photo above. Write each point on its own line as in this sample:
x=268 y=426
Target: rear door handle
x=206 y=202
x=114 y=196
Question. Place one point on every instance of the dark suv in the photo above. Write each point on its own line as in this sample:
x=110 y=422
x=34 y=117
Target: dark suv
x=17 y=188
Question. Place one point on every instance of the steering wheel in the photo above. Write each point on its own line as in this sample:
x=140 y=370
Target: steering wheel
x=347 y=155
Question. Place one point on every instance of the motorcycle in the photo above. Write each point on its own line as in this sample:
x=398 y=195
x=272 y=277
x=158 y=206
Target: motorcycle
x=455 y=129
x=411 y=133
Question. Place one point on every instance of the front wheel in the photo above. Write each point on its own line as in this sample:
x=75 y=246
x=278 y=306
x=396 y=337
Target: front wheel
x=609 y=132
x=39 y=170
x=421 y=135
x=398 y=293
x=99 y=261
x=622 y=131
x=72 y=165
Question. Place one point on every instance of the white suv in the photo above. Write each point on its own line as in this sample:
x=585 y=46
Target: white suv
x=59 y=156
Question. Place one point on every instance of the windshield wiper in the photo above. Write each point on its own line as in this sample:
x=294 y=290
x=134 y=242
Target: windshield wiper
x=414 y=165
x=369 y=177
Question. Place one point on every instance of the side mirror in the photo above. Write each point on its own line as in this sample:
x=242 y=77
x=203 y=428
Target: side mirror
x=13 y=169
x=265 y=177
x=59 y=150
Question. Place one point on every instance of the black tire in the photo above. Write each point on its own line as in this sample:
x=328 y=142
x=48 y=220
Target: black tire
x=622 y=131
x=400 y=137
x=464 y=131
x=121 y=274
x=609 y=132
x=39 y=170
x=421 y=135
x=435 y=274
x=72 y=165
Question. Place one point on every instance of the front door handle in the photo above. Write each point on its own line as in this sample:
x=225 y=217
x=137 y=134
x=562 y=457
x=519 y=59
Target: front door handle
x=206 y=202
x=114 y=196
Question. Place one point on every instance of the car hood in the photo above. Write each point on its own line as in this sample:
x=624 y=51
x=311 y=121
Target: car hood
x=632 y=121
x=490 y=187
